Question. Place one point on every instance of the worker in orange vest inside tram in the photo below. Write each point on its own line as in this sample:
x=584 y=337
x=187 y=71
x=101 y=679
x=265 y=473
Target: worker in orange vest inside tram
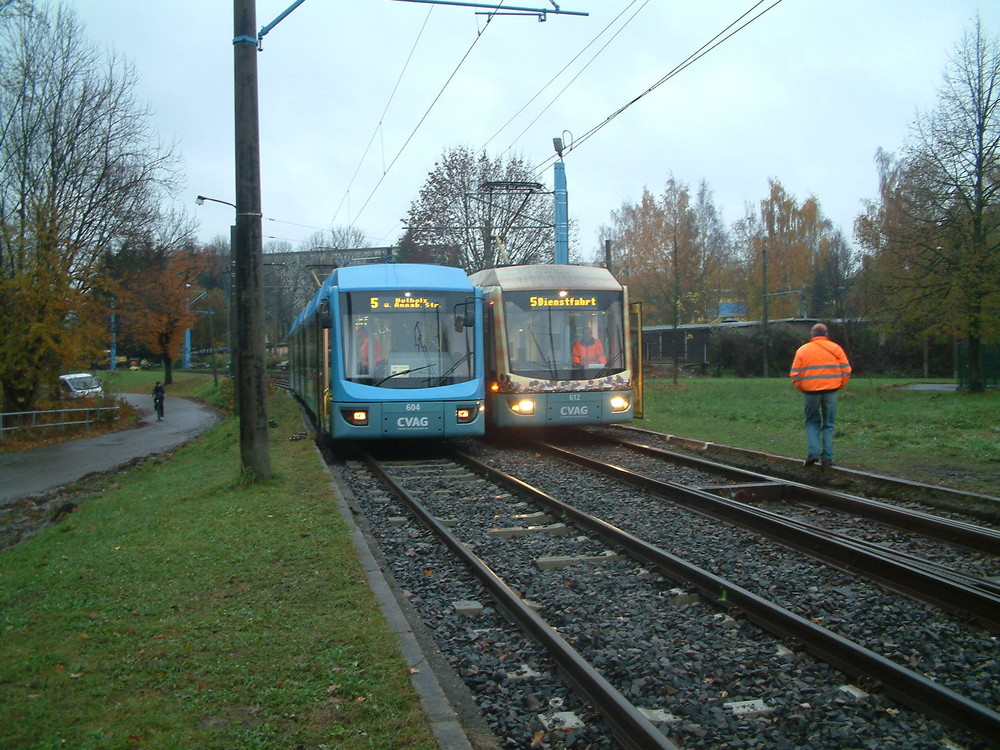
x=371 y=355
x=588 y=350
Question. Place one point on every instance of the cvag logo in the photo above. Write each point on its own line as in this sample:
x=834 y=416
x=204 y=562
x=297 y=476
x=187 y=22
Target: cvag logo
x=411 y=422
x=574 y=411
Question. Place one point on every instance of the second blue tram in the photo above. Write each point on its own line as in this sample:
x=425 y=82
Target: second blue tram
x=558 y=346
x=391 y=350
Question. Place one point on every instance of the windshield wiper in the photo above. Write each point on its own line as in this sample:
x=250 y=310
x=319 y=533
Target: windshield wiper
x=403 y=372
x=549 y=363
x=450 y=370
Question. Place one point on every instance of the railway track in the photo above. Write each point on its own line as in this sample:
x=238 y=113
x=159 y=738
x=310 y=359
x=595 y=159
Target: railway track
x=754 y=486
x=983 y=507
x=926 y=580
x=690 y=665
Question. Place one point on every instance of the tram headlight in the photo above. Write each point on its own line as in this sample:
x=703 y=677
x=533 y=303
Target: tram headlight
x=356 y=417
x=466 y=414
x=619 y=403
x=524 y=406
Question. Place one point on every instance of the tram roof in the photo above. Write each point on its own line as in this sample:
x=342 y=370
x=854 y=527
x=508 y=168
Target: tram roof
x=398 y=276
x=546 y=276
x=402 y=276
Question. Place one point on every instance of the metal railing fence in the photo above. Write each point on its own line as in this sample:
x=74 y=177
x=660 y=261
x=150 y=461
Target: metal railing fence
x=30 y=420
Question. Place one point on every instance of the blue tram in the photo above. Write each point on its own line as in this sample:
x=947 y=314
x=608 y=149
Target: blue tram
x=391 y=350
x=557 y=346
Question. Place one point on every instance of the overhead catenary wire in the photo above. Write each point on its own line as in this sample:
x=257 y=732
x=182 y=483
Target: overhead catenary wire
x=381 y=120
x=420 y=122
x=578 y=74
x=707 y=47
x=563 y=70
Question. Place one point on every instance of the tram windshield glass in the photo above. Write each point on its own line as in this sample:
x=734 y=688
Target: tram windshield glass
x=565 y=335
x=407 y=339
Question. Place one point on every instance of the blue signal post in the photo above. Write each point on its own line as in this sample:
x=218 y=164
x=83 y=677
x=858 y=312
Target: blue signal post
x=561 y=207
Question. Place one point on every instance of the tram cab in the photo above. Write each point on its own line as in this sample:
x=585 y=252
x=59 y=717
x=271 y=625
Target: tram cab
x=557 y=346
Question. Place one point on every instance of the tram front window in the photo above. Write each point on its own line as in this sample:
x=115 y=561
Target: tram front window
x=406 y=340
x=574 y=335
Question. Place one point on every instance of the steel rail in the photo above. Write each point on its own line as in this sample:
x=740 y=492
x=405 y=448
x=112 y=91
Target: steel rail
x=971 y=503
x=906 y=686
x=629 y=726
x=935 y=527
x=878 y=563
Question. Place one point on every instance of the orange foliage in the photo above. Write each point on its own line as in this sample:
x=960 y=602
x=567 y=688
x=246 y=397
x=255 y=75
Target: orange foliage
x=155 y=302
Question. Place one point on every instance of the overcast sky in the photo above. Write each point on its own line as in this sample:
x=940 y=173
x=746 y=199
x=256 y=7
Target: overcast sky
x=350 y=126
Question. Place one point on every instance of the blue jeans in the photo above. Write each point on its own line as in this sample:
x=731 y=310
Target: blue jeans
x=821 y=408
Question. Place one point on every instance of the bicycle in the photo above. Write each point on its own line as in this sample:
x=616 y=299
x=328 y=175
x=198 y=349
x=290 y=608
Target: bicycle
x=158 y=407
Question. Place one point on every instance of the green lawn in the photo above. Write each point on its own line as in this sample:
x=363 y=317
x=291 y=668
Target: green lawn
x=178 y=609
x=185 y=384
x=944 y=437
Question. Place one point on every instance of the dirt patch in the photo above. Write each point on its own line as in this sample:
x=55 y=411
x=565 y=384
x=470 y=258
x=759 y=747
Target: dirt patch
x=23 y=518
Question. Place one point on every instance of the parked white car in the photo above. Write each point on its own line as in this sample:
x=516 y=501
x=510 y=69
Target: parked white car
x=80 y=385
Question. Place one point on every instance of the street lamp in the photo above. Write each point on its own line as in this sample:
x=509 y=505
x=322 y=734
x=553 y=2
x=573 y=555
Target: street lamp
x=200 y=200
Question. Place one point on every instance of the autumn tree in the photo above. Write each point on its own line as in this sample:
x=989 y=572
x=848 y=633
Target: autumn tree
x=155 y=297
x=714 y=259
x=480 y=212
x=672 y=253
x=933 y=236
x=48 y=324
x=80 y=170
x=795 y=262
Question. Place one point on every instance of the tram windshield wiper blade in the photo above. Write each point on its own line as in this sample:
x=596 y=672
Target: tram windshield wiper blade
x=403 y=372
x=464 y=358
x=549 y=364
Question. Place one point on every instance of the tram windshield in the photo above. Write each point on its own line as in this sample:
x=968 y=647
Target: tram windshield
x=560 y=335
x=407 y=339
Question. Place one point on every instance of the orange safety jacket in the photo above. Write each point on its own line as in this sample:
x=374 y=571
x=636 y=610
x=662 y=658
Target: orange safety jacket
x=365 y=344
x=592 y=354
x=820 y=365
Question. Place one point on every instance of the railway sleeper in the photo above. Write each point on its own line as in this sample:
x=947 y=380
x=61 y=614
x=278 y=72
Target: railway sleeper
x=561 y=561
x=510 y=532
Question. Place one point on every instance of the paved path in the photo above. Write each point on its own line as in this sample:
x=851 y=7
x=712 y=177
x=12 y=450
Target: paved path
x=32 y=471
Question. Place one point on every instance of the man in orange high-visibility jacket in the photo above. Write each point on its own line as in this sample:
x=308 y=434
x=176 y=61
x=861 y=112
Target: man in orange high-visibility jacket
x=370 y=356
x=819 y=370
x=588 y=351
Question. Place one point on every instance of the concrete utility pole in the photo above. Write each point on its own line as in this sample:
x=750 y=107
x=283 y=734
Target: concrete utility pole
x=248 y=250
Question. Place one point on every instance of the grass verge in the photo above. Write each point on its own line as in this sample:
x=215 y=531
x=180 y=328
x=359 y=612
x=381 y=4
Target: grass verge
x=943 y=437
x=178 y=609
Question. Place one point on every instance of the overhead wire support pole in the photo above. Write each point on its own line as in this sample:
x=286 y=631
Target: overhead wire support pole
x=248 y=243
x=248 y=250
x=265 y=29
